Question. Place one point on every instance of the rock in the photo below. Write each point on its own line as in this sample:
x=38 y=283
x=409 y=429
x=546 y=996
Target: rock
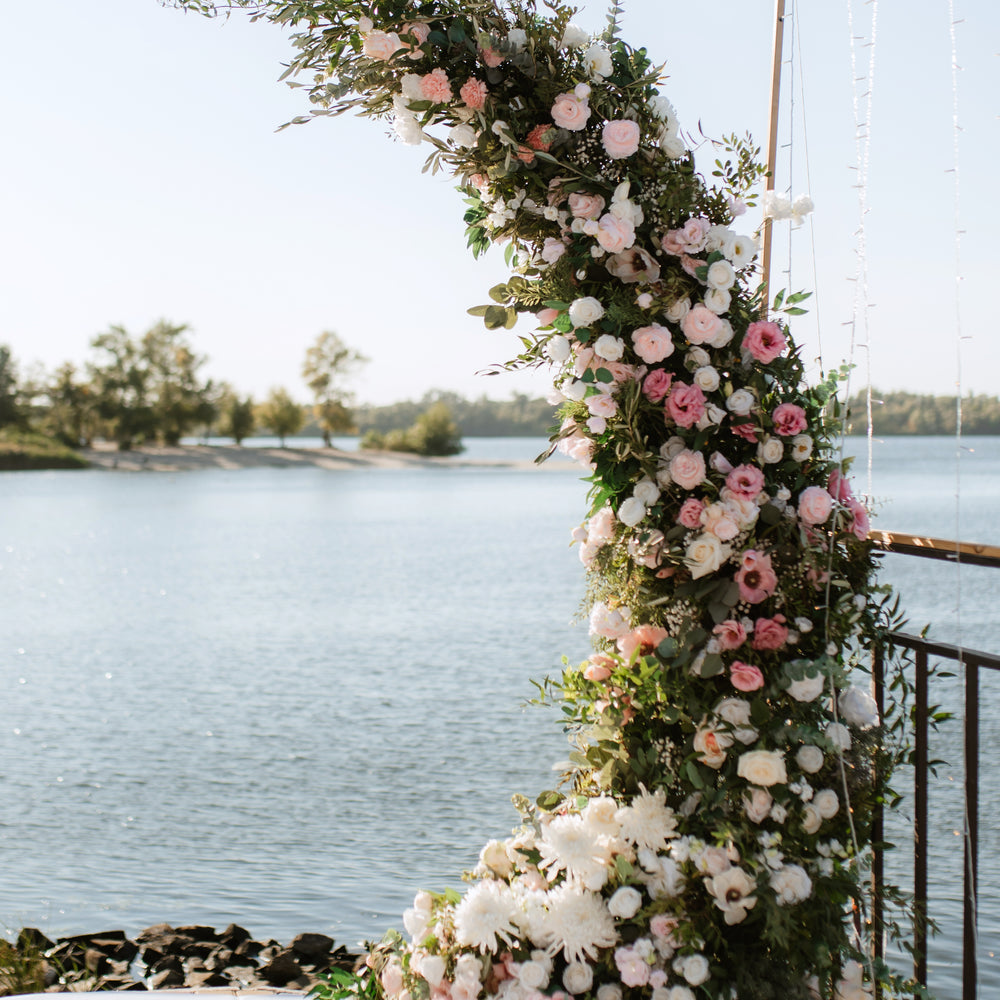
x=248 y=948
x=171 y=962
x=165 y=979
x=31 y=938
x=312 y=946
x=96 y=961
x=199 y=980
x=156 y=931
x=199 y=932
x=234 y=935
x=281 y=968
x=219 y=958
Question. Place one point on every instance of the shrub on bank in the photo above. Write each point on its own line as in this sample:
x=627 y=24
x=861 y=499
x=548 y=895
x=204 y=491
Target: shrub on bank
x=434 y=433
x=28 y=450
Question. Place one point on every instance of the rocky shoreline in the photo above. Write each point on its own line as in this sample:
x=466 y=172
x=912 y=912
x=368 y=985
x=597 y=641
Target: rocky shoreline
x=165 y=957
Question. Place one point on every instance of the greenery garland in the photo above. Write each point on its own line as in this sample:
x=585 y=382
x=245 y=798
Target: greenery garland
x=711 y=837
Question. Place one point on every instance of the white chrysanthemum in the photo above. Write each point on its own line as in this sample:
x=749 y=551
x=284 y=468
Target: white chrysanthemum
x=791 y=884
x=601 y=813
x=487 y=911
x=661 y=875
x=575 y=922
x=647 y=822
x=568 y=843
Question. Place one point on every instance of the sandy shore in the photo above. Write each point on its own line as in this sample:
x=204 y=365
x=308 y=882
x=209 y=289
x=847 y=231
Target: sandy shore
x=184 y=458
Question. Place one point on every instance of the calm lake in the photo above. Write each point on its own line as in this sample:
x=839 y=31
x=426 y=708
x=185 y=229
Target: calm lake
x=293 y=697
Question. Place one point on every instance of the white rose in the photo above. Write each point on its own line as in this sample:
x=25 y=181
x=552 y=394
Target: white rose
x=707 y=379
x=811 y=819
x=679 y=993
x=625 y=903
x=408 y=129
x=574 y=37
x=807 y=689
x=857 y=708
x=717 y=300
x=704 y=555
x=583 y=312
x=712 y=417
x=809 y=758
x=694 y=969
x=578 y=977
x=741 y=402
x=724 y=335
x=839 y=735
x=609 y=991
x=762 y=767
x=597 y=59
x=770 y=451
x=671 y=144
x=432 y=968
x=757 y=805
x=558 y=348
x=677 y=310
x=533 y=975
x=826 y=802
x=721 y=275
x=802 y=446
x=647 y=491
x=674 y=445
x=608 y=347
x=804 y=625
x=464 y=136
x=631 y=512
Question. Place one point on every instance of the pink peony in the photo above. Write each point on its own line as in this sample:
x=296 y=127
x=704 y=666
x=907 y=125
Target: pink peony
x=552 y=249
x=755 y=578
x=789 y=419
x=695 y=234
x=690 y=513
x=585 y=206
x=435 y=86
x=769 y=633
x=673 y=242
x=730 y=634
x=657 y=384
x=632 y=967
x=570 y=112
x=620 y=138
x=653 y=343
x=839 y=486
x=746 y=480
x=615 y=234
x=686 y=404
x=745 y=677
x=645 y=638
x=859 y=521
x=764 y=340
x=473 y=92
x=701 y=325
x=815 y=505
x=687 y=469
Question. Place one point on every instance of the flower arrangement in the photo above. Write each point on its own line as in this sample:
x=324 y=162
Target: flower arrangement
x=709 y=838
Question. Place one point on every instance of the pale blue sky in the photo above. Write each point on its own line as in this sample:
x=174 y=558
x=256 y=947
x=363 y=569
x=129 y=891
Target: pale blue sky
x=143 y=178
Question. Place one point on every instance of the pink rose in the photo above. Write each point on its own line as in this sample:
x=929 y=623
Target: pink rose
x=435 y=86
x=764 y=340
x=673 y=242
x=755 y=578
x=620 y=138
x=815 y=505
x=859 y=523
x=789 y=419
x=615 y=234
x=381 y=45
x=546 y=316
x=491 y=57
x=747 y=431
x=657 y=384
x=645 y=638
x=552 y=250
x=687 y=469
x=420 y=33
x=746 y=480
x=730 y=634
x=690 y=513
x=701 y=325
x=695 y=234
x=653 y=343
x=686 y=404
x=570 y=112
x=474 y=92
x=585 y=206
x=839 y=486
x=598 y=668
x=602 y=404
x=745 y=677
x=769 y=633
x=632 y=967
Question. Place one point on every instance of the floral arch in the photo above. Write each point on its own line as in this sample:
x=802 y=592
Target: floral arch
x=711 y=838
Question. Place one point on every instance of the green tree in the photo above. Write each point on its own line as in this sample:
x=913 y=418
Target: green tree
x=434 y=432
x=280 y=414
x=180 y=402
x=328 y=363
x=120 y=381
x=72 y=413
x=10 y=410
x=237 y=417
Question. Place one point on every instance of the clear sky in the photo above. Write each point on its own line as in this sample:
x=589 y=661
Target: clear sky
x=143 y=179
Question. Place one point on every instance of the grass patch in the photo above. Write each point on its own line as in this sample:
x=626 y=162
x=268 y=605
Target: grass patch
x=28 y=450
x=22 y=968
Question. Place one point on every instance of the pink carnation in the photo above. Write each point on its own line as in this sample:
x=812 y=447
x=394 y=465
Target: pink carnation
x=690 y=513
x=540 y=137
x=620 y=138
x=474 y=92
x=435 y=86
x=657 y=384
x=789 y=419
x=746 y=480
x=755 y=578
x=730 y=634
x=770 y=633
x=745 y=677
x=686 y=404
x=764 y=340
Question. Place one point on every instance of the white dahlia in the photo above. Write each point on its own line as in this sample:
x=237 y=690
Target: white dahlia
x=575 y=922
x=568 y=843
x=487 y=911
x=647 y=822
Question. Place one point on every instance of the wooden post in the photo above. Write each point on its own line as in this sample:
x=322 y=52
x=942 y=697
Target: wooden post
x=772 y=144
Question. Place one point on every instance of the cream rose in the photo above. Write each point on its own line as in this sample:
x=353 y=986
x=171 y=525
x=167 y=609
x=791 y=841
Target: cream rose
x=802 y=446
x=687 y=469
x=757 y=805
x=810 y=758
x=706 y=378
x=578 y=977
x=609 y=348
x=770 y=451
x=826 y=802
x=625 y=903
x=811 y=819
x=677 y=310
x=741 y=402
x=584 y=311
x=762 y=767
x=704 y=555
x=721 y=275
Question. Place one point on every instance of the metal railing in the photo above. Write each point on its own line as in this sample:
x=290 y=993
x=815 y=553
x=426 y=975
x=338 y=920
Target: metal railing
x=974 y=661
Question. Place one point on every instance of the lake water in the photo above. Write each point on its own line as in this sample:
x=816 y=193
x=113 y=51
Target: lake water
x=293 y=697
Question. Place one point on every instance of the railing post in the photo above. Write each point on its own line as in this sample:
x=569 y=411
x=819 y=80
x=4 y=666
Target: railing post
x=878 y=829
x=920 y=821
x=970 y=880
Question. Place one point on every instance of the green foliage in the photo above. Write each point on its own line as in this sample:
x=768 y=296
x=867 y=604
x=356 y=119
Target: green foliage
x=30 y=450
x=238 y=417
x=328 y=364
x=895 y=413
x=10 y=410
x=433 y=433
x=22 y=968
x=280 y=414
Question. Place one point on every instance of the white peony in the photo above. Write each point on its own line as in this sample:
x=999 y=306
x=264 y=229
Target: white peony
x=807 y=689
x=574 y=37
x=742 y=250
x=557 y=348
x=534 y=975
x=432 y=968
x=464 y=135
x=597 y=59
x=609 y=348
x=791 y=885
x=802 y=446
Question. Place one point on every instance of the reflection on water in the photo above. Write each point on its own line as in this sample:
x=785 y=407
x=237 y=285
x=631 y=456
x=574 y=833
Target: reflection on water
x=292 y=698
